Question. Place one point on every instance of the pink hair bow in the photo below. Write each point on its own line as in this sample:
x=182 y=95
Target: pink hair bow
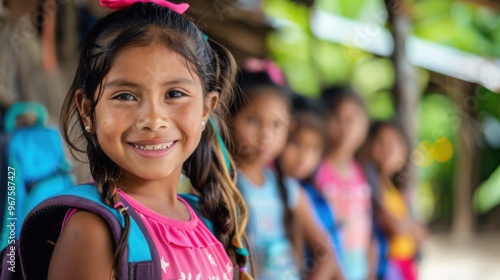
x=259 y=65
x=120 y=4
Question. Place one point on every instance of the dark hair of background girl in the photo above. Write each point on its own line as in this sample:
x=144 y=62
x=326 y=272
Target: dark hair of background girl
x=307 y=114
x=334 y=97
x=376 y=128
x=143 y=24
x=252 y=85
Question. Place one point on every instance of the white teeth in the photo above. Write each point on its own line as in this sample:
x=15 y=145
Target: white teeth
x=154 y=147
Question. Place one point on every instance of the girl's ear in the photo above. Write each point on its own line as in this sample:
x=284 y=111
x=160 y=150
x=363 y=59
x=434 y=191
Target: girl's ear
x=84 y=106
x=211 y=102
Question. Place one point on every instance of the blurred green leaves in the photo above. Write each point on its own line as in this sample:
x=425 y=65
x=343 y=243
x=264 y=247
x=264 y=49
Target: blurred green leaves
x=460 y=25
x=311 y=64
x=488 y=193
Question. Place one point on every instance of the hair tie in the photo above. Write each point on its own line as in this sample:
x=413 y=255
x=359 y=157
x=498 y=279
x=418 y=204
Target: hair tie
x=243 y=269
x=241 y=251
x=118 y=204
x=120 y=207
x=120 y=4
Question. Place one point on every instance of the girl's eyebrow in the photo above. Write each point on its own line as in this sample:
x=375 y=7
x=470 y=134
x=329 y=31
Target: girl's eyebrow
x=121 y=83
x=126 y=83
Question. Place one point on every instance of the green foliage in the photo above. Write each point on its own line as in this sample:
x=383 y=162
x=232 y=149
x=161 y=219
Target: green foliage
x=311 y=64
x=488 y=194
x=460 y=25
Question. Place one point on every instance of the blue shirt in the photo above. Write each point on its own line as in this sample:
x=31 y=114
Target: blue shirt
x=273 y=253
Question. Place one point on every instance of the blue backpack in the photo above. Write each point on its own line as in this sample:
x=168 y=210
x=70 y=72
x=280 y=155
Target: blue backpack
x=29 y=256
x=36 y=165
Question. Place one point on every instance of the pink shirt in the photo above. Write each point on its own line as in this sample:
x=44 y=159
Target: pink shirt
x=350 y=201
x=187 y=249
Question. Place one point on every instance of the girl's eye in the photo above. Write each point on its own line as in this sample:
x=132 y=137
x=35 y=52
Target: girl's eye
x=175 y=94
x=252 y=120
x=277 y=124
x=125 y=97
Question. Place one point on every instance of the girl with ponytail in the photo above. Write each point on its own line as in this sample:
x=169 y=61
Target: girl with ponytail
x=148 y=103
x=281 y=223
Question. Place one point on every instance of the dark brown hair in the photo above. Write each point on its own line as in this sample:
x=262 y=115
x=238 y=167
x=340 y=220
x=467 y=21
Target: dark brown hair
x=142 y=24
x=307 y=114
x=398 y=179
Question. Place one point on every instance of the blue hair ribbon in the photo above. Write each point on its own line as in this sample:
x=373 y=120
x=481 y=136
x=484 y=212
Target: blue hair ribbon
x=222 y=145
x=240 y=251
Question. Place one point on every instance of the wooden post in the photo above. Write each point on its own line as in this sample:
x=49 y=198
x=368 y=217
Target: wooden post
x=406 y=91
x=463 y=222
x=466 y=171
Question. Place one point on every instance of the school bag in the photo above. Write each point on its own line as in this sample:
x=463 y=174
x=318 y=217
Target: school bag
x=36 y=165
x=31 y=253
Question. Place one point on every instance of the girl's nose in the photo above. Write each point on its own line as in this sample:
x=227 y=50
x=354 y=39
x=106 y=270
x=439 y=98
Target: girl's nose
x=265 y=135
x=153 y=117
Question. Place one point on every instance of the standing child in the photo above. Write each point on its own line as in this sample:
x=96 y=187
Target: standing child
x=387 y=149
x=141 y=106
x=301 y=157
x=341 y=181
x=277 y=207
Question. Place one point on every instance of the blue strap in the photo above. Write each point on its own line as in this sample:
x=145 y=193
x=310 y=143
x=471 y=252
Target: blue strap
x=138 y=248
x=222 y=145
x=194 y=202
x=325 y=214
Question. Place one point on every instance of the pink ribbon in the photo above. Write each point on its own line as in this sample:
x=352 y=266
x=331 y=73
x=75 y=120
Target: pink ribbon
x=259 y=65
x=120 y=4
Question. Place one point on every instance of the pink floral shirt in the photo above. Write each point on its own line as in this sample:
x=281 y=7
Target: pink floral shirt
x=187 y=249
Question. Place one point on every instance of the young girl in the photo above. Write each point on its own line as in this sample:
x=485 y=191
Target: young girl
x=278 y=210
x=141 y=107
x=388 y=151
x=300 y=160
x=341 y=181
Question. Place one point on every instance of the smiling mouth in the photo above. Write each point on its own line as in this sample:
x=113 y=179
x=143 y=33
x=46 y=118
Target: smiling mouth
x=157 y=147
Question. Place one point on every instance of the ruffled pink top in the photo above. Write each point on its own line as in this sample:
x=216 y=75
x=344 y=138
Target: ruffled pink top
x=187 y=249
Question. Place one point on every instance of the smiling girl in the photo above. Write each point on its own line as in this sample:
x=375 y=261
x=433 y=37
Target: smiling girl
x=143 y=107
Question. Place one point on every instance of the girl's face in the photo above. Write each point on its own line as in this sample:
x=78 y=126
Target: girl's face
x=348 y=127
x=389 y=150
x=149 y=118
x=302 y=153
x=263 y=127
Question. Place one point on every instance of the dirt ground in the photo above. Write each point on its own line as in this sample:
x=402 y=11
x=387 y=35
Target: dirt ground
x=476 y=259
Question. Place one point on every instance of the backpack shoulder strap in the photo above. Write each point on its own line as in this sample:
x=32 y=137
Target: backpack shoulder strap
x=43 y=225
x=194 y=202
x=325 y=213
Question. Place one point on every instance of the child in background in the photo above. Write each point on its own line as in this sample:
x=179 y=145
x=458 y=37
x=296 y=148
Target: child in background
x=300 y=160
x=277 y=207
x=341 y=181
x=147 y=86
x=387 y=149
